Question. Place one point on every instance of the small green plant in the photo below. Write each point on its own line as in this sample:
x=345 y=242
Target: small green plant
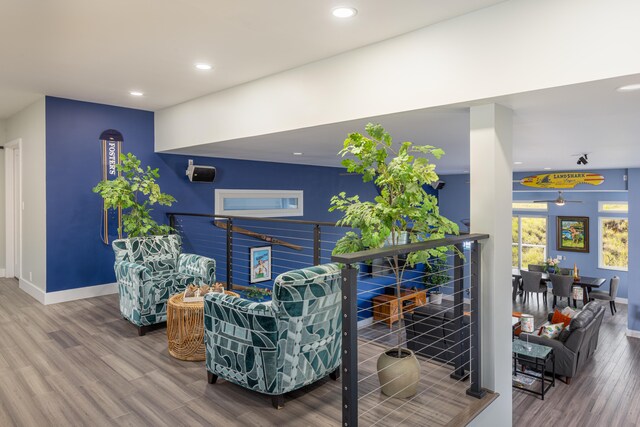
x=135 y=190
x=257 y=293
x=436 y=274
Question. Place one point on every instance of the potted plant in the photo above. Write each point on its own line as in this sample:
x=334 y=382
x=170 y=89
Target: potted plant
x=256 y=293
x=403 y=207
x=435 y=275
x=135 y=190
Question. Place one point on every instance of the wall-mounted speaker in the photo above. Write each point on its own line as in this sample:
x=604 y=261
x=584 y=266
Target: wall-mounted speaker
x=199 y=173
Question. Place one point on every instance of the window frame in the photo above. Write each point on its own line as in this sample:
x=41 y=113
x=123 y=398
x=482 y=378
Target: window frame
x=224 y=193
x=520 y=244
x=600 y=238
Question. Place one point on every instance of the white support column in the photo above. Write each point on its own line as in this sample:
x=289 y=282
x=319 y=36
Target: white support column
x=491 y=195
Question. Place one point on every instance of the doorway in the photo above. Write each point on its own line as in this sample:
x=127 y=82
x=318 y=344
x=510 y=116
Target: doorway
x=13 y=208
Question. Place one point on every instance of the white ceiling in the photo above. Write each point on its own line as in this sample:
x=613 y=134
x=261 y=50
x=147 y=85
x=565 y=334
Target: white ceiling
x=551 y=128
x=100 y=50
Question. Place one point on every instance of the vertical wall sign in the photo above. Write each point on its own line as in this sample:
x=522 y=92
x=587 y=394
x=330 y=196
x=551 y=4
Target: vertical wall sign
x=111 y=141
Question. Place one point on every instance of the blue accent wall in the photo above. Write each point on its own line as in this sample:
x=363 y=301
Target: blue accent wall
x=76 y=256
x=454 y=200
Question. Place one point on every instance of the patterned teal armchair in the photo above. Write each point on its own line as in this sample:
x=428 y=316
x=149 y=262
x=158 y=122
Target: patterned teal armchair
x=151 y=269
x=281 y=345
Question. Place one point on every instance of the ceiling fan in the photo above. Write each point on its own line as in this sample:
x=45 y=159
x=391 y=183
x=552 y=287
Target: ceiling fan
x=560 y=201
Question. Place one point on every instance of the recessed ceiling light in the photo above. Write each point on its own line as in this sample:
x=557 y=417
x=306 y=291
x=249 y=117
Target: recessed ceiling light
x=344 y=12
x=629 y=88
x=547 y=169
x=203 y=66
x=135 y=93
x=517 y=163
x=297 y=154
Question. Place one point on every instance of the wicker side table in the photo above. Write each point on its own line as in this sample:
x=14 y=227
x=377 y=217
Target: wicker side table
x=185 y=328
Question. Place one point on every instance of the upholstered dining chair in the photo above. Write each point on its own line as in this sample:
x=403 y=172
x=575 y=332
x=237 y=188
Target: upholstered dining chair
x=536 y=267
x=277 y=347
x=561 y=287
x=608 y=296
x=531 y=283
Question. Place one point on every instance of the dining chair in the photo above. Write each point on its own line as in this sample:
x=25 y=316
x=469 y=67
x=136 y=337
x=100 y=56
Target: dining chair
x=531 y=283
x=566 y=271
x=608 y=296
x=561 y=287
x=515 y=285
x=536 y=267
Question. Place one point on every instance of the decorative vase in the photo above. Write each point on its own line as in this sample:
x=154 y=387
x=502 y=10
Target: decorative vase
x=435 y=298
x=398 y=376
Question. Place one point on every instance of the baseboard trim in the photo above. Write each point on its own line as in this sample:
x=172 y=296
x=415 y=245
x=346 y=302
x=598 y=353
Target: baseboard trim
x=633 y=334
x=81 y=293
x=624 y=301
x=32 y=290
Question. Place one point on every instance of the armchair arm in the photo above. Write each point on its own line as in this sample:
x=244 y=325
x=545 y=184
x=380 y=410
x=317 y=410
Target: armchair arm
x=130 y=273
x=249 y=322
x=132 y=276
x=198 y=266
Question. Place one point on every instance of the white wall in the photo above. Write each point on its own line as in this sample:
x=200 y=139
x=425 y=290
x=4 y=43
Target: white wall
x=29 y=125
x=3 y=140
x=515 y=46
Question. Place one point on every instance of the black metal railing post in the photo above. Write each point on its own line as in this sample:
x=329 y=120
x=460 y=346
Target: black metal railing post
x=349 y=346
x=476 y=380
x=229 y=254
x=172 y=223
x=458 y=311
x=316 y=244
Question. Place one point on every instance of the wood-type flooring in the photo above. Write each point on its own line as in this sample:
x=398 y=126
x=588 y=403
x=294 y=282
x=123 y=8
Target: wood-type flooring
x=79 y=363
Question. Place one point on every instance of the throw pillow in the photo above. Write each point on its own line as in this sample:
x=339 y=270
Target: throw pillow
x=564 y=335
x=552 y=331
x=558 y=317
x=568 y=311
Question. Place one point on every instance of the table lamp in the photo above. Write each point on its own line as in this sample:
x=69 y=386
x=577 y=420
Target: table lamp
x=526 y=325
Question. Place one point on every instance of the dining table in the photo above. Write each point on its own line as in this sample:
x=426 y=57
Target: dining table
x=585 y=282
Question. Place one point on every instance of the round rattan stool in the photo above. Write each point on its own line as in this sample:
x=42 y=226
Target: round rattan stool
x=185 y=328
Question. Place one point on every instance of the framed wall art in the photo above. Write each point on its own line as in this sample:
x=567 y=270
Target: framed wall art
x=260 y=263
x=572 y=233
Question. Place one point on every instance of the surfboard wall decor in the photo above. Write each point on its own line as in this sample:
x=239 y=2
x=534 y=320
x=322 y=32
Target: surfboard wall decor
x=562 y=179
x=111 y=144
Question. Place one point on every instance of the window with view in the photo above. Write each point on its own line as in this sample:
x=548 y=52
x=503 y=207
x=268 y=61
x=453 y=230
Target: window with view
x=529 y=240
x=613 y=207
x=613 y=246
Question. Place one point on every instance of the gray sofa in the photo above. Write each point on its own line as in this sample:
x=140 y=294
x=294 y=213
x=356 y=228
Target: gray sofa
x=576 y=344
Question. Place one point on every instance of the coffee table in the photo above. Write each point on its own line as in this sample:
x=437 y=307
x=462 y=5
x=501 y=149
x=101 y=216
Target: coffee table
x=536 y=355
x=185 y=328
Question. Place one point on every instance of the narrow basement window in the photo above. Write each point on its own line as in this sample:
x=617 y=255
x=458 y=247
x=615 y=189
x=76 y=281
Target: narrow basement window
x=259 y=203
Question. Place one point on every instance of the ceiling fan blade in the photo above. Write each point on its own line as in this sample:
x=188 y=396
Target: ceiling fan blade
x=544 y=201
x=573 y=201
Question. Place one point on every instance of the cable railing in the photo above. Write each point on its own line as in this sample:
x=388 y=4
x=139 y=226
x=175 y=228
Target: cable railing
x=443 y=336
x=445 y=339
